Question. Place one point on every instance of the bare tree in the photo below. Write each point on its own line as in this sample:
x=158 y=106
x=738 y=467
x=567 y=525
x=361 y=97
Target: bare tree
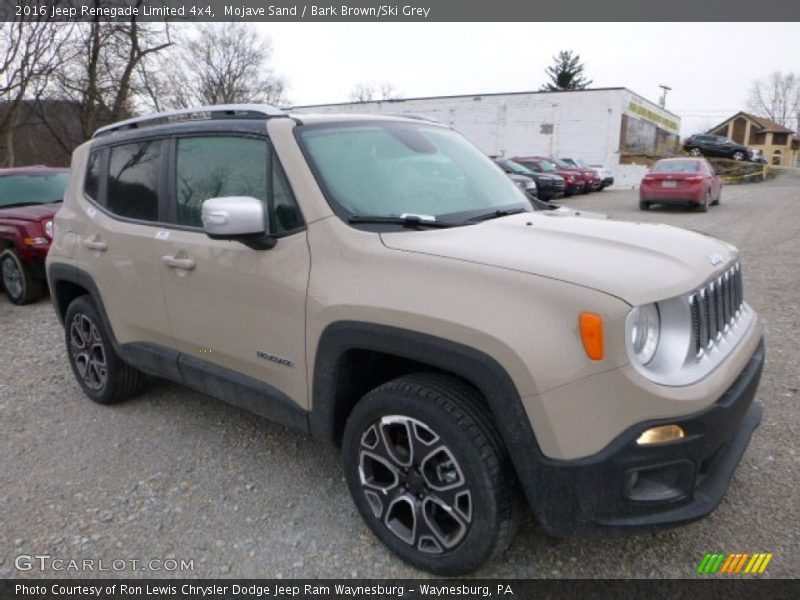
x=101 y=75
x=217 y=63
x=30 y=52
x=372 y=91
x=777 y=97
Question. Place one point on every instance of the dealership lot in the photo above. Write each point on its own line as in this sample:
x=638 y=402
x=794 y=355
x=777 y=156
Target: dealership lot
x=174 y=475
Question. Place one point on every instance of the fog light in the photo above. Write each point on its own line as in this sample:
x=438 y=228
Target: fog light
x=661 y=435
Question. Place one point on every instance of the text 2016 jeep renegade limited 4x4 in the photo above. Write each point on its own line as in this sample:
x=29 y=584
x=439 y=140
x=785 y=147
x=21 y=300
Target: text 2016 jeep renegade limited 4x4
x=381 y=284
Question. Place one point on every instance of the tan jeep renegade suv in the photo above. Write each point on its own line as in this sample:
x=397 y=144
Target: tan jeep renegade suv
x=381 y=284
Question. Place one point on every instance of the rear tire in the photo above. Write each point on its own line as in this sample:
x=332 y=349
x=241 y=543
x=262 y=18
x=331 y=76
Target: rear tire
x=696 y=152
x=703 y=206
x=19 y=283
x=644 y=205
x=101 y=373
x=429 y=474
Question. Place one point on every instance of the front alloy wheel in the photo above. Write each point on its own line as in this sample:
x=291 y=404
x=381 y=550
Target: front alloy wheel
x=428 y=473
x=414 y=484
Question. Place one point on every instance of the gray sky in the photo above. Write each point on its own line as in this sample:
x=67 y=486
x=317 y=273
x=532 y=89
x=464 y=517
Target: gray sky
x=710 y=66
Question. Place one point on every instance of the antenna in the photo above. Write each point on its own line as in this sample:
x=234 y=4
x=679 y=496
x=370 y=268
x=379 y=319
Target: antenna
x=663 y=101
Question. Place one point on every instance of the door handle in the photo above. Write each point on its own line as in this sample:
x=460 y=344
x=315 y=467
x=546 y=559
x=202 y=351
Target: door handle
x=187 y=264
x=95 y=244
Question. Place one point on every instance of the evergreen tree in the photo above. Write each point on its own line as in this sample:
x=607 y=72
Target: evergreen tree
x=566 y=73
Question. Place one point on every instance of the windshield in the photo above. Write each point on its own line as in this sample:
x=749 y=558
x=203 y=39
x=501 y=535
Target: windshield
x=515 y=168
x=580 y=163
x=392 y=169
x=676 y=166
x=563 y=163
x=32 y=188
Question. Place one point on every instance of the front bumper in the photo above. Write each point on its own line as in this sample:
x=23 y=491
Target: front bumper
x=628 y=487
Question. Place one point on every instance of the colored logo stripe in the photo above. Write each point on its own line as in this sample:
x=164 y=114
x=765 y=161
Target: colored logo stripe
x=734 y=563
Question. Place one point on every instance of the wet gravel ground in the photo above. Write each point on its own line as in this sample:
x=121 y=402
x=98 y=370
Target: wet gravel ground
x=174 y=474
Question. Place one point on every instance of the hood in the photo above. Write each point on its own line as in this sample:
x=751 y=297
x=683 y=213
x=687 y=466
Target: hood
x=35 y=212
x=637 y=262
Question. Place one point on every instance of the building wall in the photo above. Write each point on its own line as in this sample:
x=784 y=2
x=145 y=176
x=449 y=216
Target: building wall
x=584 y=124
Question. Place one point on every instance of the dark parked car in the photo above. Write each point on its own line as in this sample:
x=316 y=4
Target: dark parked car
x=29 y=197
x=574 y=183
x=548 y=186
x=717 y=145
x=689 y=181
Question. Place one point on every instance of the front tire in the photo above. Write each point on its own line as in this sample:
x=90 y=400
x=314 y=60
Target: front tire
x=429 y=475
x=738 y=156
x=19 y=283
x=101 y=373
x=695 y=152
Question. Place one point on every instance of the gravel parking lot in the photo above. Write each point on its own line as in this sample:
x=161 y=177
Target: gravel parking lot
x=175 y=474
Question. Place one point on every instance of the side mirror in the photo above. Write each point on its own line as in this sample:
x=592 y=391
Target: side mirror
x=237 y=218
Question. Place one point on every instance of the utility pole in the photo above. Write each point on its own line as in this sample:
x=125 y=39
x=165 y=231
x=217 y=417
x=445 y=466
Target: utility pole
x=663 y=101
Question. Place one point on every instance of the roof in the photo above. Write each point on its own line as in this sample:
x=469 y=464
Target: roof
x=763 y=123
x=489 y=94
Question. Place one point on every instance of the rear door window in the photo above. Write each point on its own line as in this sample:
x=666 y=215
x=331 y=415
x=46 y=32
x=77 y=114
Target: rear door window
x=134 y=177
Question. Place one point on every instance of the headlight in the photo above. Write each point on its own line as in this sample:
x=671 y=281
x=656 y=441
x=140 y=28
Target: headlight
x=48 y=229
x=644 y=328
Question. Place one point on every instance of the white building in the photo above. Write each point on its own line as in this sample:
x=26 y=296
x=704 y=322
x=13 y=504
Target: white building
x=609 y=126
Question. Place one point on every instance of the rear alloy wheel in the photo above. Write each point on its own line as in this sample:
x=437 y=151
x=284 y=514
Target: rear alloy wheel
x=428 y=473
x=18 y=282
x=101 y=373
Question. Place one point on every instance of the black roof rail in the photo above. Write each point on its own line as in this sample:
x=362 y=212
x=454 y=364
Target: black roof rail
x=200 y=113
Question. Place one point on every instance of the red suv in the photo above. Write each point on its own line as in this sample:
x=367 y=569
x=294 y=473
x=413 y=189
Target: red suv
x=29 y=197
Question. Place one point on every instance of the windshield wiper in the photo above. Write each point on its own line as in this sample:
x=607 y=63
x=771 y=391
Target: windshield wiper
x=496 y=214
x=404 y=220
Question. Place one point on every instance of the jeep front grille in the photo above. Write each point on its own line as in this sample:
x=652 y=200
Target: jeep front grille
x=715 y=308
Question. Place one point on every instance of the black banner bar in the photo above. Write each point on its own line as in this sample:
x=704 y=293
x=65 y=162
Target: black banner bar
x=404 y=10
x=727 y=588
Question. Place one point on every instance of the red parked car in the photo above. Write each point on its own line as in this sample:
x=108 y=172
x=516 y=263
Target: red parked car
x=29 y=197
x=689 y=181
x=590 y=177
x=573 y=181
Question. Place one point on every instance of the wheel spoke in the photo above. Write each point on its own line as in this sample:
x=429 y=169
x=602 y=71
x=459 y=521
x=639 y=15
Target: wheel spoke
x=397 y=440
x=443 y=522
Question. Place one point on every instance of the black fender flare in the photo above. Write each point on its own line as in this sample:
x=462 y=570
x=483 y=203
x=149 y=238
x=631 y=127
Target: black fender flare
x=471 y=364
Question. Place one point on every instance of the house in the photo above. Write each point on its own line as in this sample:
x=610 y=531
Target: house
x=614 y=127
x=778 y=144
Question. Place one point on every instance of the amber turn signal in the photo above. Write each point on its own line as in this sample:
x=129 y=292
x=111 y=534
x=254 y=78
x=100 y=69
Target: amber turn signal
x=591 y=325
x=661 y=435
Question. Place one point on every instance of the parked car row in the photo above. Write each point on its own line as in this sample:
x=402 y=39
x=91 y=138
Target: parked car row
x=557 y=177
